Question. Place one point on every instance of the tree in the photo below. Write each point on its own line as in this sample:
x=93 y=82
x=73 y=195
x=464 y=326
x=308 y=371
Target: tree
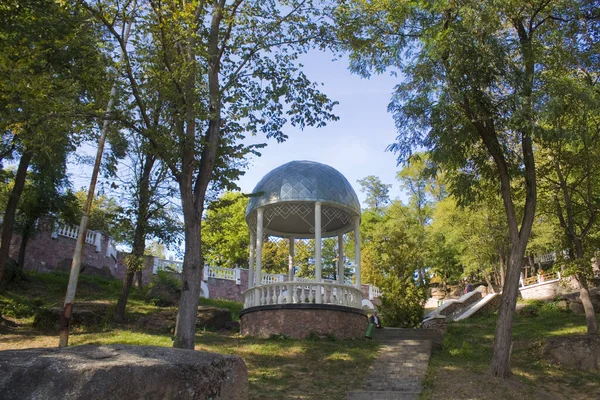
x=469 y=97
x=147 y=214
x=51 y=72
x=226 y=237
x=388 y=257
x=224 y=69
x=376 y=191
x=570 y=167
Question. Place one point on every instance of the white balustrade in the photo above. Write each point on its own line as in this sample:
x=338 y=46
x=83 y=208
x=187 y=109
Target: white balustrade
x=272 y=278
x=169 y=265
x=222 y=273
x=72 y=231
x=279 y=293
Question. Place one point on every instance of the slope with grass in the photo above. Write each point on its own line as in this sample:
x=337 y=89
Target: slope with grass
x=278 y=368
x=460 y=367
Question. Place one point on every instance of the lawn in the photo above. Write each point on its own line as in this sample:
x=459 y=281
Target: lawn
x=460 y=367
x=278 y=368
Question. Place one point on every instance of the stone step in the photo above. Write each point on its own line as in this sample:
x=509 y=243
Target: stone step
x=382 y=395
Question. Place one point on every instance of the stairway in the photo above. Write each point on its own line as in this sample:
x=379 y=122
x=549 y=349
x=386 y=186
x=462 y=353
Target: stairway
x=400 y=365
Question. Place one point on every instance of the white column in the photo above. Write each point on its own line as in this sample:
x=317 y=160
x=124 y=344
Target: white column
x=259 y=243
x=340 y=273
x=357 y=251
x=251 y=260
x=318 y=250
x=291 y=260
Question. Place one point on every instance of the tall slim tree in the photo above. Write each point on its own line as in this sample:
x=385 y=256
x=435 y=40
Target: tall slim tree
x=224 y=68
x=469 y=97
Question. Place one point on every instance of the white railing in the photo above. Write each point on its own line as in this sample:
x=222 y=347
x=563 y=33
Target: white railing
x=545 y=258
x=374 y=292
x=293 y=293
x=168 y=265
x=540 y=278
x=272 y=278
x=72 y=231
x=221 y=273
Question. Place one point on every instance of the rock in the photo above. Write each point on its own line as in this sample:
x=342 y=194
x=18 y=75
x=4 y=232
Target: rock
x=11 y=271
x=163 y=295
x=84 y=314
x=208 y=318
x=121 y=372
x=160 y=322
x=213 y=318
x=233 y=326
x=528 y=311
x=562 y=304
x=103 y=272
x=438 y=293
x=576 y=308
x=578 y=352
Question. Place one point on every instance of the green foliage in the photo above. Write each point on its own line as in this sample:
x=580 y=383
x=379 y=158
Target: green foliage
x=225 y=234
x=376 y=191
x=168 y=279
x=233 y=306
x=402 y=303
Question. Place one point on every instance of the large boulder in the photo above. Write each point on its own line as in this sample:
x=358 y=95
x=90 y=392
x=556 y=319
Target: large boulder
x=84 y=314
x=103 y=272
x=121 y=372
x=163 y=295
x=211 y=318
x=578 y=352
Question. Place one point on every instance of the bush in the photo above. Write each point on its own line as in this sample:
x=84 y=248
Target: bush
x=402 y=303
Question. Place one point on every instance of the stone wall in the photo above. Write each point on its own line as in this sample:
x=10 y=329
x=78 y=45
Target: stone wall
x=45 y=253
x=121 y=268
x=301 y=320
x=228 y=289
x=545 y=290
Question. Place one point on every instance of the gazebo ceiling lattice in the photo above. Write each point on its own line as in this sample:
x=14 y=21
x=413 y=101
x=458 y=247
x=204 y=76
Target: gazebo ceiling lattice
x=288 y=194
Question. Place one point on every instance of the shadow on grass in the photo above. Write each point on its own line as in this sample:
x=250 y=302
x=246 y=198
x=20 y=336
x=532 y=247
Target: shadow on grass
x=460 y=367
x=296 y=368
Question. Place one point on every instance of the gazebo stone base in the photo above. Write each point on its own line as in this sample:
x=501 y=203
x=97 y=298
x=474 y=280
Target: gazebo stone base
x=300 y=321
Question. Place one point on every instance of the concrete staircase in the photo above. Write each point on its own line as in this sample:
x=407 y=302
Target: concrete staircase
x=400 y=365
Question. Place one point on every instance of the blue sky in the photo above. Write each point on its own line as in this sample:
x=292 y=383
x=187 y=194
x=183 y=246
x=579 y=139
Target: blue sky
x=354 y=145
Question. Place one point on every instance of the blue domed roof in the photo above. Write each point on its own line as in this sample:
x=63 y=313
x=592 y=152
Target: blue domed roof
x=304 y=181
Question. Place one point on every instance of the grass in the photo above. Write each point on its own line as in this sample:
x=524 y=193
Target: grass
x=460 y=367
x=278 y=368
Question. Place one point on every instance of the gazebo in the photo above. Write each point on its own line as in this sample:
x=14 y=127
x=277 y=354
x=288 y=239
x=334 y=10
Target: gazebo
x=303 y=200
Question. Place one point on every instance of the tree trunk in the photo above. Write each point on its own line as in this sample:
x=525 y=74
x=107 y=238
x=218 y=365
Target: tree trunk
x=139 y=238
x=10 y=212
x=502 y=268
x=122 y=303
x=590 y=315
x=584 y=294
x=23 y=246
x=191 y=277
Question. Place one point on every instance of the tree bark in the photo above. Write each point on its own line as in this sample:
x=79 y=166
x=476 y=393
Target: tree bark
x=10 y=212
x=586 y=301
x=185 y=328
x=502 y=267
x=23 y=247
x=139 y=238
